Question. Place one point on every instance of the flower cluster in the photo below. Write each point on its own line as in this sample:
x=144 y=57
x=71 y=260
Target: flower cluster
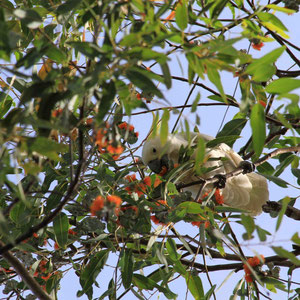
x=99 y=203
x=257 y=44
x=57 y=112
x=107 y=146
x=160 y=217
x=253 y=262
x=141 y=187
x=218 y=197
x=127 y=132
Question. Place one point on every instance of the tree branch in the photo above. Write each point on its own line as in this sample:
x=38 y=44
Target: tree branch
x=72 y=188
x=240 y=170
x=290 y=211
x=27 y=278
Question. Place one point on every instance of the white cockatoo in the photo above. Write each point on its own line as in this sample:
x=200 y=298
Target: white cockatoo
x=245 y=191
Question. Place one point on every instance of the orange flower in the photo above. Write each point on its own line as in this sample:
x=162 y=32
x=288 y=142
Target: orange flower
x=114 y=199
x=161 y=202
x=130 y=178
x=136 y=134
x=89 y=121
x=57 y=112
x=131 y=128
x=56 y=246
x=46 y=277
x=128 y=189
x=101 y=139
x=170 y=16
x=253 y=262
x=123 y=125
x=42 y=265
x=163 y=171
x=197 y=223
x=257 y=46
x=140 y=189
x=35 y=235
x=219 y=197
x=97 y=205
x=71 y=232
x=206 y=224
x=248 y=278
x=157 y=181
x=115 y=150
x=155 y=220
x=263 y=103
x=134 y=208
x=6 y=270
x=115 y=157
x=147 y=181
x=138 y=96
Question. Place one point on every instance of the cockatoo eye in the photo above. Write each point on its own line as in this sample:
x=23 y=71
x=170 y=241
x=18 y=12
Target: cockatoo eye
x=154 y=150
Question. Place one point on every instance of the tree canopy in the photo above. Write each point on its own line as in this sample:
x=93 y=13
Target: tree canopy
x=74 y=193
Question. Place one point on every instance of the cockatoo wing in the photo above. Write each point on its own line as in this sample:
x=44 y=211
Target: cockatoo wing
x=244 y=191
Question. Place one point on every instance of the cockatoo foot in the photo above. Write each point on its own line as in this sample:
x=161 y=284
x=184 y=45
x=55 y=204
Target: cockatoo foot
x=247 y=166
x=220 y=184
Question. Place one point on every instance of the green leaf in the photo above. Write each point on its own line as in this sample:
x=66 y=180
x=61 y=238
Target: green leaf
x=218 y=8
x=279 y=8
x=107 y=97
x=181 y=14
x=258 y=125
x=164 y=129
x=230 y=139
x=264 y=72
x=283 y=85
x=48 y=148
x=232 y=128
x=267 y=17
x=280 y=182
x=61 y=227
x=172 y=250
x=166 y=74
x=126 y=263
x=146 y=283
x=68 y=6
x=20 y=214
x=248 y=223
x=5 y=104
x=190 y=207
x=287 y=254
x=89 y=49
x=215 y=78
x=262 y=233
x=199 y=154
x=268 y=59
x=138 y=78
x=285 y=202
x=91 y=271
x=266 y=168
x=56 y=54
x=29 y=17
x=296 y=173
x=194 y=284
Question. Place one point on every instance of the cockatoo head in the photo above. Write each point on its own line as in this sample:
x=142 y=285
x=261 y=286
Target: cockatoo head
x=157 y=155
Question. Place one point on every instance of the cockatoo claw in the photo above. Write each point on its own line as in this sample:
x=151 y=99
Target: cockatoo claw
x=220 y=184
x=247 y=166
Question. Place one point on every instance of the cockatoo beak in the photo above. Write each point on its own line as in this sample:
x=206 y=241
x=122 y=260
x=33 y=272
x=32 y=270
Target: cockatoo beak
x=156 y=165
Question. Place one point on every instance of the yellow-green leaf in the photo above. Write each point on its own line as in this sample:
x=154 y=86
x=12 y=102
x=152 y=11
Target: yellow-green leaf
x=258 y=125
x=164 y=128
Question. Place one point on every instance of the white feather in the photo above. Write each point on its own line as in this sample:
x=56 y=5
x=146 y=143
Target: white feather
x=248 y=192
